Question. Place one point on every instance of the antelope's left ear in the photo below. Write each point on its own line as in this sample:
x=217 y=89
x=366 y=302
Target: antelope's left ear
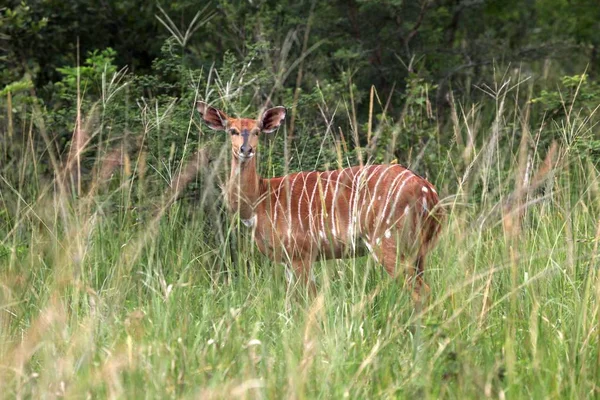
x=214 y=118
x=272 y=118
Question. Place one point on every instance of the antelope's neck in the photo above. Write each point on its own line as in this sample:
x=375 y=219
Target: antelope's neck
x=244 y=188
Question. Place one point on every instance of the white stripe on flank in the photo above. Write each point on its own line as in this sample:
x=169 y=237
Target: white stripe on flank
x=398 y=194
x=310 y=205
x=304 y=192
x=323 y=204
x=364 y=191
x=355 y=192
x=391 y=192
x=381 y=177
x=350 y=229
x=350 y=224
x=289 y=200
x=337 y=186
x=371 y=250
x=277 y=194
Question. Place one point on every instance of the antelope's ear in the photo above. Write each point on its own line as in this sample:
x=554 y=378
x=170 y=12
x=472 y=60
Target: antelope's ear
x=272 y=118
x=215 y=119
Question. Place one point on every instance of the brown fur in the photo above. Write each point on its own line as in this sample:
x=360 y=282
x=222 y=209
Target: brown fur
x=309 y=215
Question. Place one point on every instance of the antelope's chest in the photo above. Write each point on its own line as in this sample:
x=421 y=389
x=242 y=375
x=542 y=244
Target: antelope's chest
x=250 y=222
x=260 y=232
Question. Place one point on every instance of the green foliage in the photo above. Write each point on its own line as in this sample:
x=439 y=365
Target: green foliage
x=139 y=287
x=18 y=25
x=92 y=91
x=17 y=87
x=572 y=108
x=114 y=294
x=88 y=78
x=575 y=92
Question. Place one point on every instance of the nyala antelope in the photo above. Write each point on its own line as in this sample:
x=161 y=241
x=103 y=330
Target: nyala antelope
x=301 y=217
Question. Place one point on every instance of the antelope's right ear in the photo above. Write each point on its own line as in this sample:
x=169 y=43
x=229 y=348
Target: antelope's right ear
x=215 y=119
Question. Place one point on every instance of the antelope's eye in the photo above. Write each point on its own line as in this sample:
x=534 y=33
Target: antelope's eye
x=234 y=132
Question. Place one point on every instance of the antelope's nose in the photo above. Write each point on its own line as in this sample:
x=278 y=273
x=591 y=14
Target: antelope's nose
x=246 y=149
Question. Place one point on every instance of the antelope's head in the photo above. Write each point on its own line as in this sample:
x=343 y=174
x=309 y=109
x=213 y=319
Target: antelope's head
x=243 y=132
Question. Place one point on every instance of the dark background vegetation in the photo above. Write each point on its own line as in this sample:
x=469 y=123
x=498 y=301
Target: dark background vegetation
x=349 y=68
x=123 y=276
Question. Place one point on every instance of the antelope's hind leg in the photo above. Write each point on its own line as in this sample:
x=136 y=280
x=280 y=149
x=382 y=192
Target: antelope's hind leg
x=387 y=254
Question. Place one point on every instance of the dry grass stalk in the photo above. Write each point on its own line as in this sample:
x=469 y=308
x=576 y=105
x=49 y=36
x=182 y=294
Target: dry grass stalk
x=51 y=317
x=71 y=174
x=187 y=174
x=513 y=209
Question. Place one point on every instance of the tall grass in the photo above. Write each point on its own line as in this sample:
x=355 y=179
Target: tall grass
x=110 y=290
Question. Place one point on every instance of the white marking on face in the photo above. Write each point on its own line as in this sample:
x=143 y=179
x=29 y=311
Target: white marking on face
x=388 y=234
x=425 y=204
x=425 y=190
x=250 y=222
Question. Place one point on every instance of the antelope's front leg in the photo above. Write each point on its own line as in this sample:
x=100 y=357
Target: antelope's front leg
x=302 y=269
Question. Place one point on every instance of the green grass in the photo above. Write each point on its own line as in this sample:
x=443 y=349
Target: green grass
x=126 y=294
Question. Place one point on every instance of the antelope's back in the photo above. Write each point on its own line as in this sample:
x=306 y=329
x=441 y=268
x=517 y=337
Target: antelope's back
x=392 y=197
x=335 y=207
